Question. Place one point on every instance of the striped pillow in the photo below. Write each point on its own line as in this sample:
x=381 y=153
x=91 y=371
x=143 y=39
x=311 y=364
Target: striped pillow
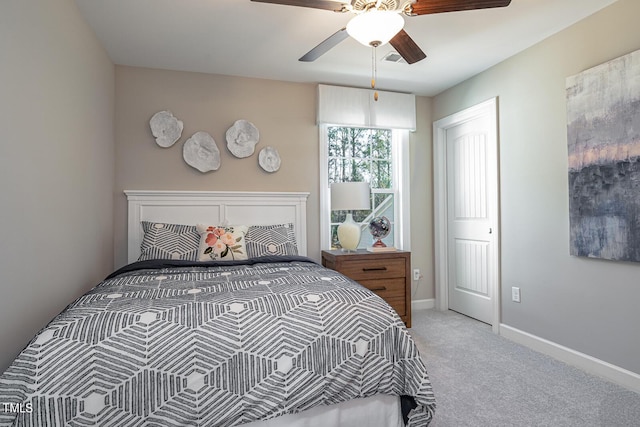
x=169 y=241
x=277 y=239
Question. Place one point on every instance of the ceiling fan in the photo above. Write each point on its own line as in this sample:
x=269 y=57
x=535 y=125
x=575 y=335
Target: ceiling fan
x=379 y=21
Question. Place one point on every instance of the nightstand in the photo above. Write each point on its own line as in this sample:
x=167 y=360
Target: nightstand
x=385 y=273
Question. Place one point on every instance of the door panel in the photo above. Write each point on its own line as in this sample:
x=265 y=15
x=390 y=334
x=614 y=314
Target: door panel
x=471 y=267
x=470 y=221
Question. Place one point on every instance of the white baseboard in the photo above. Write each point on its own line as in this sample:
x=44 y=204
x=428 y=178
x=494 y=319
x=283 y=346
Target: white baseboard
x=613 y=373
x=423 y=304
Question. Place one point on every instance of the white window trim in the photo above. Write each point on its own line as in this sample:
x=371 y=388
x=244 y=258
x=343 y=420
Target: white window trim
x=400 y=147
x=403 y=178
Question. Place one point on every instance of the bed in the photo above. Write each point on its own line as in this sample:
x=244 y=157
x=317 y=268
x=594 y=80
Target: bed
x=251 y=332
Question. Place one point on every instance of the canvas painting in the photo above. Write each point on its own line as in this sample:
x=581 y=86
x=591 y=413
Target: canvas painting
x=603 y=135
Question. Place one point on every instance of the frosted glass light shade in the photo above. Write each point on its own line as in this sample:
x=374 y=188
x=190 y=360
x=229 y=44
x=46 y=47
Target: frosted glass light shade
x=375 y=27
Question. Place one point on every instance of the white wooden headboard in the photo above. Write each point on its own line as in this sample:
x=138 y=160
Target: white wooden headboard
x=231 y=207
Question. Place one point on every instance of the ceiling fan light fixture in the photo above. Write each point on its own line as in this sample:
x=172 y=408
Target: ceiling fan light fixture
x=375 y=27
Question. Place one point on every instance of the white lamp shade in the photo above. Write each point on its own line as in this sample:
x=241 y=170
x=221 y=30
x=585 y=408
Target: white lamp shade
x=375 y=27
x=349 y=196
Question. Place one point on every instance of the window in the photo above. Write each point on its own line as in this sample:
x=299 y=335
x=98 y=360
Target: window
x=350 y=154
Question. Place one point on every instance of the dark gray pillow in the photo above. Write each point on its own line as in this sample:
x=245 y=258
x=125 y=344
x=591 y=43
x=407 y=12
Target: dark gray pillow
x=277 y=239
x=169 y=241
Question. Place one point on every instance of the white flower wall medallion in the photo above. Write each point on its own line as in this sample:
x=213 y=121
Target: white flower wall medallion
x=242 y=138
x=269 y=159
x=166 y=128
x=201 y=152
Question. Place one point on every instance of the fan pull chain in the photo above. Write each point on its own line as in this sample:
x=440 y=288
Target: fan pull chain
x=374 y=71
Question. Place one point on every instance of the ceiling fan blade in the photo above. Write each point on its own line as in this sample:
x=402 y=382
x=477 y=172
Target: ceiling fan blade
x=407 y=48
x=315 y=4
x=425 y=7
x=324 y=46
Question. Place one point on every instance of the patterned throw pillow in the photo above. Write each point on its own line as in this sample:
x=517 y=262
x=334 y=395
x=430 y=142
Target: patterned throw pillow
x=219 y=242
x=278 y=239
x=169 y=241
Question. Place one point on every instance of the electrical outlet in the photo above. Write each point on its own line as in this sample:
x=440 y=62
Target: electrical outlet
x=416 y=274
x=515 y=294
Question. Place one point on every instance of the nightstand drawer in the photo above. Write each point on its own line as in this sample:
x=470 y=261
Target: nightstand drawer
x=398 y=304
x=365 y=269
x=391 y=287
x=391 y=290
x=385 y=273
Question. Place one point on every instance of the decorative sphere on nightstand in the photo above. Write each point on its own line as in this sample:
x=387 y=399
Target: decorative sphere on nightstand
x=380 y=227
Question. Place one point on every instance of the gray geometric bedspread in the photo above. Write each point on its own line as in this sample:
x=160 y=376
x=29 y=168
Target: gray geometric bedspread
x=213 y=346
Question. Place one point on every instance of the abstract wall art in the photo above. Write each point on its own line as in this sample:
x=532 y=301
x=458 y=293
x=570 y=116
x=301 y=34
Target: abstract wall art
x=603 y=136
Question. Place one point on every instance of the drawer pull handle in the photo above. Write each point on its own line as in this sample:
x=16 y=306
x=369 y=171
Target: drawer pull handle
x=374 y=269
x=382 y=288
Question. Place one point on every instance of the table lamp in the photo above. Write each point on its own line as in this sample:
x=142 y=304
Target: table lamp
x=350 y=196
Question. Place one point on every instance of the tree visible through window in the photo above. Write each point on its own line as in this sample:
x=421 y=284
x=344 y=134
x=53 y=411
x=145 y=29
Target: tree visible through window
x=363 y=154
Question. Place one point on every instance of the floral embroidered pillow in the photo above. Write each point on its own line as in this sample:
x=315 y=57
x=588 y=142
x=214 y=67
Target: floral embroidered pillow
x=222 y=243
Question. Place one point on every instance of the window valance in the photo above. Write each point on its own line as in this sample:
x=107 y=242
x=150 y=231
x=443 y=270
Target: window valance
x=348 y=106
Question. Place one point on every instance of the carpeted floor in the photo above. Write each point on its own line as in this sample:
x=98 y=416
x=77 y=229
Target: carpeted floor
x=481 y=379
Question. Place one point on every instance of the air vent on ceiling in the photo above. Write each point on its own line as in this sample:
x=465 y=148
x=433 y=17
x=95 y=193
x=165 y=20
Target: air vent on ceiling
x=394 y=57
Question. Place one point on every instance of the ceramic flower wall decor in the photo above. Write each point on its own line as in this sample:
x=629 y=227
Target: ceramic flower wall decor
x=166 y=128
x=242 y=138
x=269 y=159
x=201 y=152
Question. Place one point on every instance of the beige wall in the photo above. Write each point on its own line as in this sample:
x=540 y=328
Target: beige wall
x=422 y=201
x=587 y=305
x=56 y=165
x=285 y=115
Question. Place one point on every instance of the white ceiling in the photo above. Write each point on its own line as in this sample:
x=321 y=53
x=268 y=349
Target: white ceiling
x=245 y=38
